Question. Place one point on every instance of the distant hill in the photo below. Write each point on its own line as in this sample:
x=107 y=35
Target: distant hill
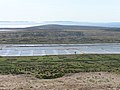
x=64 y=27
x=99 y=24
x=62 y=34
x=23 y=24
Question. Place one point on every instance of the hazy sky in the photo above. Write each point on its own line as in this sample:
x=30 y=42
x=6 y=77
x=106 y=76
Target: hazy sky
x=60 y=10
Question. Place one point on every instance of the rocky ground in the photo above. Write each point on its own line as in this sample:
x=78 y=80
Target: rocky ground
x=79 y=81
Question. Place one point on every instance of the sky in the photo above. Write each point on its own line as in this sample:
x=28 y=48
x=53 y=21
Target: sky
x=60 y=10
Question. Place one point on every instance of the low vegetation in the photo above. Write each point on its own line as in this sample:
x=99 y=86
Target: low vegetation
x=60 y=35
x=48 y=67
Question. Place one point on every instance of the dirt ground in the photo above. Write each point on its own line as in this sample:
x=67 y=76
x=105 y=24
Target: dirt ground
x=79 y=81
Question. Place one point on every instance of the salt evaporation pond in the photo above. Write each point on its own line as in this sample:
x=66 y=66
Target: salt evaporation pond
x=58 y=49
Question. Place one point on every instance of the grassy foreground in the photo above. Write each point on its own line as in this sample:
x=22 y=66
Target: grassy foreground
x=48 y=67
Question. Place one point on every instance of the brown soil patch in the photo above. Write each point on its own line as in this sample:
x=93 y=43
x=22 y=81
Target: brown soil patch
x=79 y=81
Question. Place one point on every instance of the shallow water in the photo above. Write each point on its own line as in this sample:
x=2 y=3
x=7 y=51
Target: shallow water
x=58 y=49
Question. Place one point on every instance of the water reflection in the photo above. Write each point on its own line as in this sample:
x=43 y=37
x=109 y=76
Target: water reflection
x=58 y=49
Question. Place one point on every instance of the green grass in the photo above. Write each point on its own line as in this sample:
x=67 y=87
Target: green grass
x=48 y=67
